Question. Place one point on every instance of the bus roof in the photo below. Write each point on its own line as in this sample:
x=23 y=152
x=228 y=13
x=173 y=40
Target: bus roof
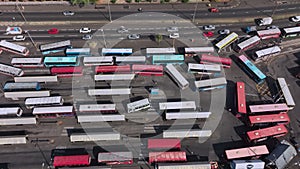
x=71 y=160
x=50 y=46
x=130 y=59
x=114 y=91
x=247 y=152
x=268 y=107
x=160 y=50
x=241 y=97
x=100 y=118
x=177 y=105
x=19 y=48
x=291 y=29
x=270 y=118
x=227 y=40
x=251 y=66
x=211 y=82
x=167 y=156
x=204 y=67
x=267 y=51
x=268 y=31
x=186 y=165
x=266 y=132
x=26 y=60
x=116 y=50
x=96 y=107
x=114 y=156
x=147 y=68
x=78 y=50
x=187 y=115
x=199 y=49
x=60 y=59
x=286 y=92
x=17 y=121
x=102 y=77
x=58 y=70
x=36 y=79
x=44 y=100
x=164 y=144
x=186 y=133
x=52 y=109
x=246 y=43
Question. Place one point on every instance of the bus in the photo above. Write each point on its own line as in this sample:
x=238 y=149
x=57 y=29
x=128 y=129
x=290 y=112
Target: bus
x=241 y=98
x=26 y=94
x=116 y=51
x=175 y=156
x=269 y=33
x=194 y=51
x=61 y=61
x=53 y=111
x=43 y=101
x=103 y=136
x=189 y=105
x=166 y=144
x=211 y=84
x=41 y=79
x=138 y=105
x=27 y=62
x=290 y=32
x=186 y=133
x=210 y=59
x=11 y=111
x=113 y=69
x=95 y=61
x=265 y=133
x=21 y=86
x=266 y=52
x=99 y=118
x=252 y=70
x=17 y=121
x=247 y=44
x=155 y=51
x=108 y=92
x=282 y=107
x=186 y=165
x=187 y=115
x=55 y=47
x=115 y=158
x=71 y=160
x=228 y=40
x=130 y=59
x=13 y=48
x=177 y=76
x=10 y=70
x=102 y=108
x=111 y=77
x=255 y=151
x=167 y=59
x=264 y=120
x=42 y=71
x=78 y=52
x=148 y=70
x=10 y=140
x=203 y=68
x=67 y=71
x=284 y=89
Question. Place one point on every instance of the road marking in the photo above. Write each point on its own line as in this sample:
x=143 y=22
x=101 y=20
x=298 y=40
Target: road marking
x=292 y=8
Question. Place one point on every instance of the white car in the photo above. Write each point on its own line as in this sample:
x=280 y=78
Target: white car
x=87 y=37
x=295 y=18
x=122 y=29
x=69 y=13
x=134 y=36
x=19 y=38
x=85 y=30
x=172 y=29
x=174 y=35
x=224 y=31
x=209 y=27
x=272 y=27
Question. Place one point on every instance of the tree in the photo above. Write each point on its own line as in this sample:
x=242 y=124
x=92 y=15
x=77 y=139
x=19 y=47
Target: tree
x=158 y=38
x=128 y=1
x=113 y=1
x=184 y=1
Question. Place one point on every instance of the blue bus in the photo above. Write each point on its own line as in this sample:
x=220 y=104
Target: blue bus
x=21 y=86
x=116 y=51
x=61 y=61
x=167 y=59
x=78 y=52
x=252 y=70
x=55 y=47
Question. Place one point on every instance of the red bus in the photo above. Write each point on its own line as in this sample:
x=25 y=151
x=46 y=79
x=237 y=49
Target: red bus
x=115 y=158
x=148 y=70
x=164 y=144
x=281 y=118
x=72 y=160
x=167 y=156
x=241 y=97
x=269 y=33
x=282 y=107
x=66 y=71
x=210 y=59
x=263 y=134
x=255 y=151
x=113 y=69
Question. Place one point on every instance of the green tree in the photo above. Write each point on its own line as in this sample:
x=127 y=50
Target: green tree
x=128 y=1
x=137 y=0
x=184 y=1
x=113 y=1
x=158 y=38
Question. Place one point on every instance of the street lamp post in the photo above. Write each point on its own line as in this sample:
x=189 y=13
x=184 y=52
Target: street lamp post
x=194 y=16
x=34 y=44
x=18 y=7
x=109 y=11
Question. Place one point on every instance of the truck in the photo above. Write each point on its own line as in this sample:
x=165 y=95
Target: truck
x=264 y=21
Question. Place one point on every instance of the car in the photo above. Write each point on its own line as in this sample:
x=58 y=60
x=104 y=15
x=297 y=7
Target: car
x=224 y=31
x=134 y=36
x=295 y=18
x=208 y=34
x=209 y=27
x=53 y=31
x=172 y=29
x=140 y=9
x=19 y=38
x=87 y=37
x=174 y=35
x=85 y=30
x=122 y=29
x=68 y=13
x=272 y=27
x=213 y=10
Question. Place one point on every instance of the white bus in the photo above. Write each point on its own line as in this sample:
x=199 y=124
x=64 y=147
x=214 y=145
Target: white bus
x=19 y=95
x=187 y=115
x=111 y=77
x=17 y=121
x=43 y=79
x=43 y=101
x=138 y=105
x=55 y=47
x=284 y=89
x=27 y=62
x=97 y=107
x=10 y=70
x=210 y=84
x=11 y=111
x=194 y=51
x=188 y=165
x=8 y=140
x=177 y=76
x=247 y=44
x=103 y=136
x=116 y=51
x=186 y=133
x=191 y=105
x=107 y=92
x=130 y=59
x=53 y=111
x=14 y=48
x=203 y=68
x=95 y=61
x=228 y=40
x=266 y=52
x=100 y=118
x=78 y=51
x=154 y=51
